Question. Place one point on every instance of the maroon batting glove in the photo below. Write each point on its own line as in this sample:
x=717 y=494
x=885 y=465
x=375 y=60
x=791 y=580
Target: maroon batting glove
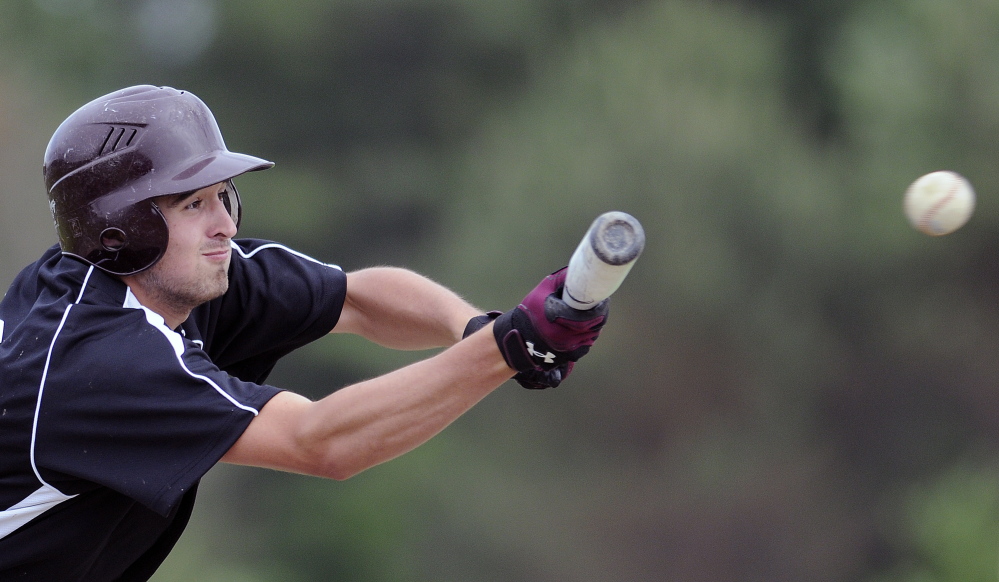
x=534 y=379
x=543 y=334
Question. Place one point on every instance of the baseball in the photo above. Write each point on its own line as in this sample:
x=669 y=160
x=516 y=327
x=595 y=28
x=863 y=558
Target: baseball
x=939 y=202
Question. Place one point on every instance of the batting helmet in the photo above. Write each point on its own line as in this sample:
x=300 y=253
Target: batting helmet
x=109 y=159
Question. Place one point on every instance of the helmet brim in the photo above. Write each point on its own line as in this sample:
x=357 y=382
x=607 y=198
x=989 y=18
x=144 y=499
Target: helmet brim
x=200 y=173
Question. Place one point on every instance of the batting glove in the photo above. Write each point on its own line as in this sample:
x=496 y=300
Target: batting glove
x=534 y=379
x=542 y=337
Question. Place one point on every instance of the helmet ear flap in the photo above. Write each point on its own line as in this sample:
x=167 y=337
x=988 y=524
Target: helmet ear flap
x=121 y=243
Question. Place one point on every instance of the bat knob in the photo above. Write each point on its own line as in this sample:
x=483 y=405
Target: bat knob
x=617 y=238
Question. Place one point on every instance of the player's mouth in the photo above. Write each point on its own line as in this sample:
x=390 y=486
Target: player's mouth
x=221 y=254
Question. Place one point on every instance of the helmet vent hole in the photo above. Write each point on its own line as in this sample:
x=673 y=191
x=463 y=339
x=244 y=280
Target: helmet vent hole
x=118 y=137
x=113 y=239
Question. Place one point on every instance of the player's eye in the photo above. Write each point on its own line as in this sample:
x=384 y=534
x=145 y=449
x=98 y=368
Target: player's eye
x=195 y=204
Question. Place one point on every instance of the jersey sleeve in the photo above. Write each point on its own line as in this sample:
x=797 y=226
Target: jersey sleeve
x=131 y=405
x=278 y=300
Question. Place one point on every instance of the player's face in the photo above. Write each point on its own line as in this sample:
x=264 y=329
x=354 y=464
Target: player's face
x=195 y=266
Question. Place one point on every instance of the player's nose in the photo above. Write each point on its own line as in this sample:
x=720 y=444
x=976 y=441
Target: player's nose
x=222 y=222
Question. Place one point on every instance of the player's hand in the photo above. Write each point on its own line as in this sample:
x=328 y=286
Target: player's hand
x=543 y=336
x=534 y=379
x=541 y=379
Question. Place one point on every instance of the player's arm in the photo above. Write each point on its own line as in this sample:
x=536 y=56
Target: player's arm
x=400 y=309
x=370 y=422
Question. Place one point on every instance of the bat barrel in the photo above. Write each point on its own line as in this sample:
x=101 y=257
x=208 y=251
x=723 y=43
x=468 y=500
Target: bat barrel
x=603 y=259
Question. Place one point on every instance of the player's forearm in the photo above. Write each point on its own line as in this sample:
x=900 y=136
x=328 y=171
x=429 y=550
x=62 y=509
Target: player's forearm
x=371 y=422
x=400 y=309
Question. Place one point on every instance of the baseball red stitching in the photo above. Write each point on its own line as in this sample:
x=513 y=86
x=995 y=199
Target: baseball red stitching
x=932 y=212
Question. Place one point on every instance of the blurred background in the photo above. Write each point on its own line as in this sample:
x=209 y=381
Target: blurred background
x=794 y=384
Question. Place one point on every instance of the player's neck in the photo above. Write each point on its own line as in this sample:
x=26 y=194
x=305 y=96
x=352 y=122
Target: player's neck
x=172 y=312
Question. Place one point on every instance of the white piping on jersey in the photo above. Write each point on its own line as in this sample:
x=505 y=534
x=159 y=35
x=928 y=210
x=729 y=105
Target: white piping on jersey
x=45 y=375
x=41 y=391
x=83 y=287
x=250 y=254
x=177 y=343
x=46 y=496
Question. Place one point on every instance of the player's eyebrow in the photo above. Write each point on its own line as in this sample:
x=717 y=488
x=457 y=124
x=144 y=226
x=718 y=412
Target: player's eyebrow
x=174 y=200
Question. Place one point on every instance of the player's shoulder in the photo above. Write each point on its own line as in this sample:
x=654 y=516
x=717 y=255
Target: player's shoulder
x=260 y=250
x=48 y=286
x=33 y=277
x=84 y=331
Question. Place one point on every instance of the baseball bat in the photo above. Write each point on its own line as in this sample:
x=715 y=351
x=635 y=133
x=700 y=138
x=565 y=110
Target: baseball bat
x=603 y=259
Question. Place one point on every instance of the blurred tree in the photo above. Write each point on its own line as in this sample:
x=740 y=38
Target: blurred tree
x=950 y=531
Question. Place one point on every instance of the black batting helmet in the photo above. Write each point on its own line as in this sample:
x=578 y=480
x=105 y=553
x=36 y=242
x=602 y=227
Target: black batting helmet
x=107 y=160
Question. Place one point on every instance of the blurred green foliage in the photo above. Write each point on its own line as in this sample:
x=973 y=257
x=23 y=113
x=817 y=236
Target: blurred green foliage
x=794 y=384
x=950 y=526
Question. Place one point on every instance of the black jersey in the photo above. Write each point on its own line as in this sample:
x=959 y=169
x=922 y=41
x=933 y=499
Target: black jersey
x=109 y=419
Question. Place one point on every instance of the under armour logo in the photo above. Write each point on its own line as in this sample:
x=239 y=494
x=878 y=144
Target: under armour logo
x=549 y=357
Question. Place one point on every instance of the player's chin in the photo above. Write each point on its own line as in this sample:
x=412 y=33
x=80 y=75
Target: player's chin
x=222 y=276
x=216 y=289
x=216 y=280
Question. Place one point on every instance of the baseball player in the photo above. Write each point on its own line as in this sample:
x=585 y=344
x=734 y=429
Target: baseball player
x=134 y=354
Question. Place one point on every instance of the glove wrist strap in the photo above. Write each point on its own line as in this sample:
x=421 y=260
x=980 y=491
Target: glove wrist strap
x=479 y=321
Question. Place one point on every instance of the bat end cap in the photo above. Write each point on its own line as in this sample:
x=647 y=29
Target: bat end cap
x=617 y=238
